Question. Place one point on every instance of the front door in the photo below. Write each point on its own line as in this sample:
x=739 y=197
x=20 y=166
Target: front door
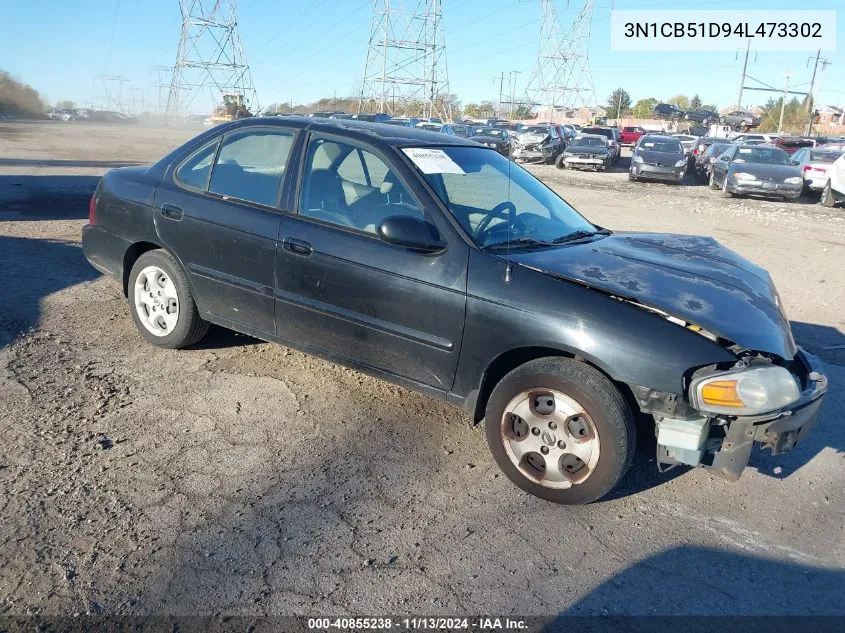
x=342 y=290
x=218 y=213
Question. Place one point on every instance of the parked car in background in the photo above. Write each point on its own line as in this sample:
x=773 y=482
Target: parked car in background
x=443 y=128
x=436 y=264
x=537 y=144
x=706 y=117
x=704 y=142
x=741 y=119
x=405 y=121
x=372 y=117
x=791 y=144
x=498 y=139
x=513 y=128
x=834 y=187
x=658 y=158
x=586 y=151
x=613 y=141
x=688 y=142
x=814 y=163
x=703 y=163
x=668 y=111
x=463 y=130
x=743 y=137
x=756 y=169
x=631 y=134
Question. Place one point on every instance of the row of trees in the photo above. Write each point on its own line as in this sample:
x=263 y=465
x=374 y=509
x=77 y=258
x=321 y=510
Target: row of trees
x=619 y=105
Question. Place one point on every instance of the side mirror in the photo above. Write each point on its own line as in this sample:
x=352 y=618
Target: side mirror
x=412 y=233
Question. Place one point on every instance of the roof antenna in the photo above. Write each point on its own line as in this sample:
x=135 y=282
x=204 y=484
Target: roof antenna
x=508 y=265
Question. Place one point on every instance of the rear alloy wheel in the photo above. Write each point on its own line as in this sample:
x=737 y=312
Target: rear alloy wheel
x=827 y=199
x=161 y=302
x=560 y=430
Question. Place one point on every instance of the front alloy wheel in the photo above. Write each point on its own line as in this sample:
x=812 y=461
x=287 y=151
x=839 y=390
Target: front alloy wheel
x=560 y=430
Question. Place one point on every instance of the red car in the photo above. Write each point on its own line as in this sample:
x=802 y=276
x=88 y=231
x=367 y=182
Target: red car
x=630 y=135
x=791 y=144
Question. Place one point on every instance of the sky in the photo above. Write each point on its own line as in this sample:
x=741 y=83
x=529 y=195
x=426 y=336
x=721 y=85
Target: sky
x=303 y=50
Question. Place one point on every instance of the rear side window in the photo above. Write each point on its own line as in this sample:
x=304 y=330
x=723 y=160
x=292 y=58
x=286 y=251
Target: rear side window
x=250 y=165
x=195 y=171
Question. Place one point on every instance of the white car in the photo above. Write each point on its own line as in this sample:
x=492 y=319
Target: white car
x=815 y=163
x=834 y=187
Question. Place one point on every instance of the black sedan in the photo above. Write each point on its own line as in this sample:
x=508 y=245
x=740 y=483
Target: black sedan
x=497 y=138
x=704 y=162
x=586 y=151
x=440 y=265
x=762 y=170
x=702 y=116
x=658 y=158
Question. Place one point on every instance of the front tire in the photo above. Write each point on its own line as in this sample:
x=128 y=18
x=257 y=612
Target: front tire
x=725 y=191
x=161 y=302
x=560 y=430
x=560 y=163
x=713 y=184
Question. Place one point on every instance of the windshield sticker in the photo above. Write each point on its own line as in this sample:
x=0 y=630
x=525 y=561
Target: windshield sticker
x=433 y=161
x=743 y=150
x=648 y=144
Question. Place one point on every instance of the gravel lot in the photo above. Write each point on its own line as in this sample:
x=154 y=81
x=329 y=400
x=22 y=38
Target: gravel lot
x=245 y=478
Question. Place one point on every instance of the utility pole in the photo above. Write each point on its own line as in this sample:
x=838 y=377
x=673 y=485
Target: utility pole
x=744 y=69
x=810 y=98
x=787 y=75
x=501 y=88
x=513 y=91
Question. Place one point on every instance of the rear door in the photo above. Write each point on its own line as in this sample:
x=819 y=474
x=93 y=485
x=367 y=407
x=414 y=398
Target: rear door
x=342 y=290
x=218 y=213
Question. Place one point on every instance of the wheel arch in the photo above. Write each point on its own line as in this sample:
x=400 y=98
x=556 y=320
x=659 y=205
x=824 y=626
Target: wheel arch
x=507 y=361
x=131 y=256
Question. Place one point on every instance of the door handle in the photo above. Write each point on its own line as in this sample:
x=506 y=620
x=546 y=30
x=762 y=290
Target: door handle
x=298 y=247
x=171 y=211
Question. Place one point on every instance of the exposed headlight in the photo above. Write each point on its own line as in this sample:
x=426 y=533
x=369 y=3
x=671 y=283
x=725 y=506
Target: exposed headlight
x=793 y=180
x=745 y=391
x=680 y=163
x=491 y=145
x=741 y=175
x=637 y=158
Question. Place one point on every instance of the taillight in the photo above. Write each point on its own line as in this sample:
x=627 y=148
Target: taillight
x=91 y=208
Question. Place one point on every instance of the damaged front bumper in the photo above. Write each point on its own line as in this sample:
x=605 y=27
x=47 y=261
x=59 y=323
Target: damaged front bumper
x=534 y=153
x=723 y=444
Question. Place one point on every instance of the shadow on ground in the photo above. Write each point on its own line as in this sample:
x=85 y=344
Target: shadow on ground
x=693 y=580
x=33 y=269
x=45 y=197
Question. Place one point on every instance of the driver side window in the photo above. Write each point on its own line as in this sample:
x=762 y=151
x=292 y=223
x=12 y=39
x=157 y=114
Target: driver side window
x=351 y=187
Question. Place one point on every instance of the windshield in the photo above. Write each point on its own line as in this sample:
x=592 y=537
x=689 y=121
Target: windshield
x=495 y=200
x=597 y=130
x=589 y=142
x=717 y=149
x=824 y=157
x=661 y=146
x=489 y=131
x=763 y=155
x=430 y=126
x=535 y=129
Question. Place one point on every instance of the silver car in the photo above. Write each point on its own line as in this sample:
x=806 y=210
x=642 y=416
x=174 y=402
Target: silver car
x=741 y=119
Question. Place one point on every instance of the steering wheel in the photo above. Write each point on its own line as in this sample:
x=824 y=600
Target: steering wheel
x=498 y=211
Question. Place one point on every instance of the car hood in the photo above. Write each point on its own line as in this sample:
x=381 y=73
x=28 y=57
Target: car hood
x=664 y=158
x=762 y=170
x=481 y=138
x=532 y=137
x=693 y=278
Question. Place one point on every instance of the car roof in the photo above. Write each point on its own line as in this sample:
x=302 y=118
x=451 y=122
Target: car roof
x=375 y=133
x=659 y=137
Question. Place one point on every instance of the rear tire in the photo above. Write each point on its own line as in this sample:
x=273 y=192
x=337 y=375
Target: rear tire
x=172 y=324
x=827 y=199
x=569 y=410
x=712 y=183
x=725 y=192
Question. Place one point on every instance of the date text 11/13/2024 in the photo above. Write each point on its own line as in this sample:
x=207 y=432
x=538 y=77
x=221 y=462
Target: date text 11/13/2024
x=418 y=624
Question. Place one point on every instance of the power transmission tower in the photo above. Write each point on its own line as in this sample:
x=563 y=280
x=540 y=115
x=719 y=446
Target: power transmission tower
x=162 y=83
x=562 y=78
x=406 y=60
x=112 y=96
x=210 y=59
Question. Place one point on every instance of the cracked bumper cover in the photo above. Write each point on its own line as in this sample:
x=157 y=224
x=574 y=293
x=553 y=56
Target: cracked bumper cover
x=779 y=431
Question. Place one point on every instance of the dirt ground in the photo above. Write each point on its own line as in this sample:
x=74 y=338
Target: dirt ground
x=241 y=477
